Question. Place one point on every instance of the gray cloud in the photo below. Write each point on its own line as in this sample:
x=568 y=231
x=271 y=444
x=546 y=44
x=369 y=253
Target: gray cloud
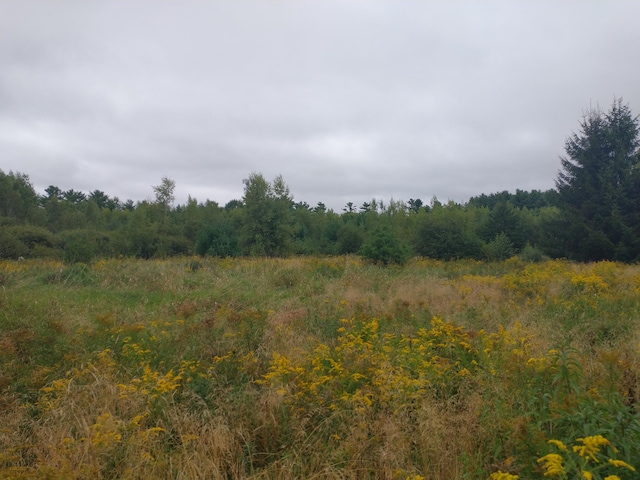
x=347 y=100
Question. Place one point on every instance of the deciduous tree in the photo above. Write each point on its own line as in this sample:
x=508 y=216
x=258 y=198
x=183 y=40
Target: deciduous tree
x=165 y=194
x=18 y=200
x=267 y=216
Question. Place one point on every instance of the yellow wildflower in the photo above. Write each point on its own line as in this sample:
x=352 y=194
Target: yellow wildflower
x=105 y=432
x=612 y=477
x=188 y=438
x=620 y=463
x=502 y=476
x=587 y=475
x=138 y=419
x=561 y=446
x=590 y=446
x=150 y=431
x=552 y=464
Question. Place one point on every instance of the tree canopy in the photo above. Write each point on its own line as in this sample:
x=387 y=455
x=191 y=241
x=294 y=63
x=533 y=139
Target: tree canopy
x=593 y=214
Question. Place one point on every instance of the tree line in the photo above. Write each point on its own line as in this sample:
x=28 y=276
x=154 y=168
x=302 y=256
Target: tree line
x=592 y=214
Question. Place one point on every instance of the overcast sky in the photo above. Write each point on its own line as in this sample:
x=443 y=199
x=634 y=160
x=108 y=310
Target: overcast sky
x=348 y=100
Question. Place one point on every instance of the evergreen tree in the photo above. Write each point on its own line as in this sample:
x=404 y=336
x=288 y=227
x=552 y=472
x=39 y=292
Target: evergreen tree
x=100 y=198
x=74 y=197
x=598 y=187
x=415 y=204
x=503 y=219
x=349 y=208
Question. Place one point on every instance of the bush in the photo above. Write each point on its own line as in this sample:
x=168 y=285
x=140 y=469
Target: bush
x=500 y=248
x=78 y=247
x=349 y=239
x=218 y=240
x=173 y=245
x=84 y=245
x=447 y=237
x=23 y=240
x=11 y=246
x=385 y=248
x=532 y=254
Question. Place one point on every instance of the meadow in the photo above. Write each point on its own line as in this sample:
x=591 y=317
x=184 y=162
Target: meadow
x=317 y=368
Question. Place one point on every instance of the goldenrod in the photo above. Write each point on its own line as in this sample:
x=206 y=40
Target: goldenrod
x=558 y=444
x=621 y=463
x=590 y=446
x=502 y=476
x=552 y=464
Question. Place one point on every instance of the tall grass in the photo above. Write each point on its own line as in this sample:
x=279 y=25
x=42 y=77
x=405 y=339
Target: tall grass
x=318 y=368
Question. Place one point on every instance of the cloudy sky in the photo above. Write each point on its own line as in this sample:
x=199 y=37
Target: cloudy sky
x=349 y=99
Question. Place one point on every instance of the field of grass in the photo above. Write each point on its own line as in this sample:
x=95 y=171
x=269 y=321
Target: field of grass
x=319 y=368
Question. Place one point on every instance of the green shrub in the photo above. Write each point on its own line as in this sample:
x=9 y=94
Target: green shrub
x=532 y=254
x=217 y=240
x=11 y=246
x=173 y=245
x=22 y=240
x=447 y=237
x=349 y=239
x=385 y=248
x=500 y=248
x=78 y=246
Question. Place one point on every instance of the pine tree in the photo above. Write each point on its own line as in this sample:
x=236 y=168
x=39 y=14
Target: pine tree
x=598 y=187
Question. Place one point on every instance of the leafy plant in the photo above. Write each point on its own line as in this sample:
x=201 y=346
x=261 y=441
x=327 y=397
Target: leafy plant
x=385 y=248
x=500 y=248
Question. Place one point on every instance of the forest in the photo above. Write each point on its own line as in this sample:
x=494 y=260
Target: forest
x=592 y=214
